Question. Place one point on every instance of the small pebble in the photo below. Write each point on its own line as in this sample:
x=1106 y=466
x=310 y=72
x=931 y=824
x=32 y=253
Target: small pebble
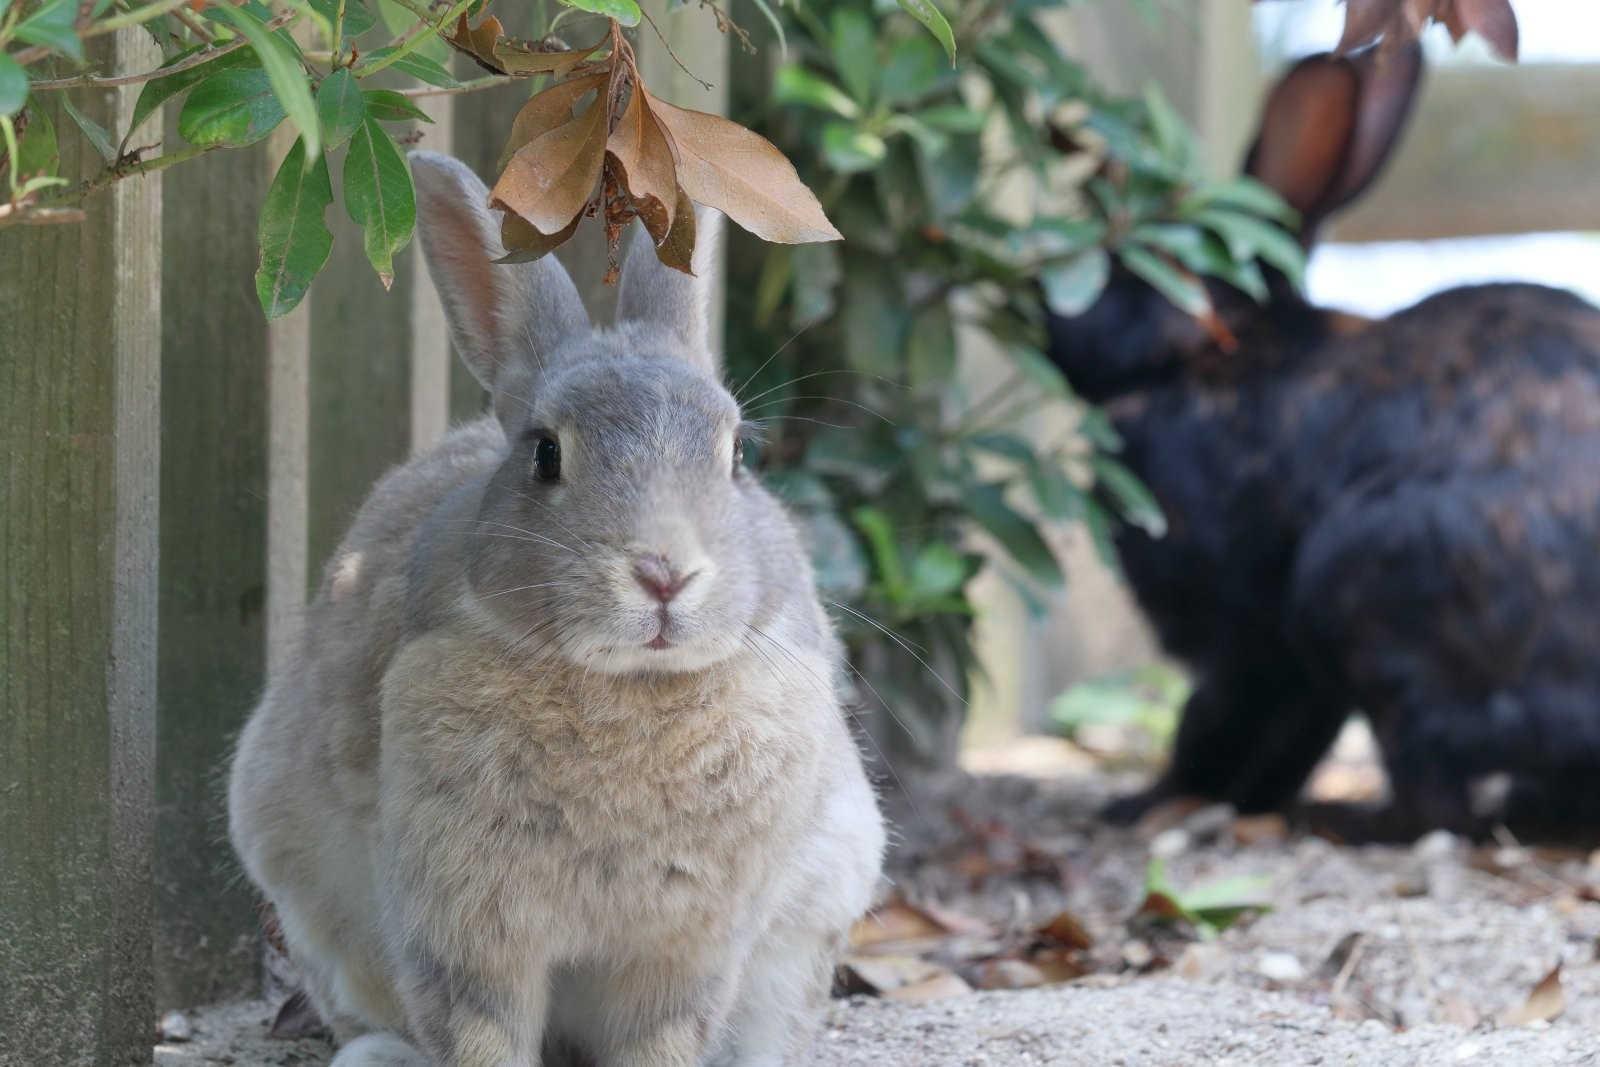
x=174 y=1027
x=1169 y=843
x=1280 y=967
x=1437 y=845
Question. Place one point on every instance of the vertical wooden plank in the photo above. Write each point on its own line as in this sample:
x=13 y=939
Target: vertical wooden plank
x=359 y=382
x=213 y=565
x=79 y=455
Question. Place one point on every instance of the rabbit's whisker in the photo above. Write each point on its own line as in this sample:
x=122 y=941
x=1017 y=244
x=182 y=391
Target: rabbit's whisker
x=874 y=412
x=897 y=639
x=821 y=373
x=803 y=418
x=768 y=362
x=883 y=757
x=525 y=588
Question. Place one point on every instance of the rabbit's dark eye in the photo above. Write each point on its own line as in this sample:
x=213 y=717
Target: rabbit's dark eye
x=547 y=460
x=738 y=455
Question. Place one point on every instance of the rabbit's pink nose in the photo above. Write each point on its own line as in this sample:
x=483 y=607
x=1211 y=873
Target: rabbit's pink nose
x=655 y=573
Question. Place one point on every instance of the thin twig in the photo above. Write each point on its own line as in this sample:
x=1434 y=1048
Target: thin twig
x=405 y=48
x=92 y=80
x=668 y=46
x=195 y=26
x=473 y=86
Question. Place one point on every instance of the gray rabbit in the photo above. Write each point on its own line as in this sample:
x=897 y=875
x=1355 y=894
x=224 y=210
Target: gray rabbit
x=562 y=768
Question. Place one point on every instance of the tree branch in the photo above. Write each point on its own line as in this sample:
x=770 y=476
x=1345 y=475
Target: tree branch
x=92 y=80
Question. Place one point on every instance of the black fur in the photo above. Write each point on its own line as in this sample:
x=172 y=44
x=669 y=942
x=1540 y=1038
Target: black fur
x=1400 y=517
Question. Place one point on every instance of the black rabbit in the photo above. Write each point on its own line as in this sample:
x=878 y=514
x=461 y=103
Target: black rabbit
x=1399 y=516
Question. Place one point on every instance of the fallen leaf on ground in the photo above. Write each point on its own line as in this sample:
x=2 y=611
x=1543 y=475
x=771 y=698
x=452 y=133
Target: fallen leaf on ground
x=878 y=975
x=1067 y=930
x=1547 y=1001
x=1260 y=829
x=945 y=985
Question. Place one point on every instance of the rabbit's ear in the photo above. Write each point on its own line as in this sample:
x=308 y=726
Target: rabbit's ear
x=668 y=300
x=1330 y=124
x=505 y=319
x=1390 y=77
x=1306 y=128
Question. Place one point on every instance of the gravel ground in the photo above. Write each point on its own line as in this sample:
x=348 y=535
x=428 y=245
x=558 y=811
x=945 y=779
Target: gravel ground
x=1419 y=955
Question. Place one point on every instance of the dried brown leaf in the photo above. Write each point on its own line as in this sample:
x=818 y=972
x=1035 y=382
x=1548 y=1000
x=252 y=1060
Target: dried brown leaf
x=879 y=975
x=895 y=921
x=677 y=249
x=551 y=179
x=1065 y=929
x=723 y=165
x=940 y=987
x=1547 y=1001
x=493 y=51
x=1493 y=20
x=643 y=158
x=1008 y=974
x=524 y=244
x=546 y=111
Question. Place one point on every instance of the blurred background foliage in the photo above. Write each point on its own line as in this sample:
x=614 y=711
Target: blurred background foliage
x=972 y=197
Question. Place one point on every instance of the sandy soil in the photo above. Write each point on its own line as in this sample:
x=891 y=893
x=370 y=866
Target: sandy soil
x=1419 y=955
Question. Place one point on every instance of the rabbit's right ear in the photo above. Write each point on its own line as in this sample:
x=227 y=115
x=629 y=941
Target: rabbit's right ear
x=505 y=319
x=1330 y=124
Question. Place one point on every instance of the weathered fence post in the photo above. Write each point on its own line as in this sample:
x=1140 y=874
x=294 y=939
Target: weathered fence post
x=215 y=356
x=80 y=342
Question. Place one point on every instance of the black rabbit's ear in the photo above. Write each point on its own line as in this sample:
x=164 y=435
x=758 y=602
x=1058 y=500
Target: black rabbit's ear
x=1330 y=124
x=1390 y=75
x=1306 y=130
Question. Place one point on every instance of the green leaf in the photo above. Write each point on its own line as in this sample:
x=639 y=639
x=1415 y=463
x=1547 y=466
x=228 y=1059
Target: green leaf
x=938 y=571
x=1057 y=496
x=164 y=87
x=1245 y=194
x=952 y=118
x=933 y=19
x=94 y=132
x=855 y=52
x=13 y=85
x=933 y=346
x=38 y=153
x=850 y=149
x=387 y=105
x=1072 y=286
x=914 y=69
x=379 y=196
x=624 y=11
x=1171 y=134
x=281 y=61
x=777 y=27
x=796 y=85
x=340 y=107
x=950 y=177
x=1016 y=534
x=231 y=107
x=400 y=20
x=1133 y=500
x=879 y=532
x=1248 y=237
x=1008 y=445
x=52 y=27
x=294 y=236
x=1184 y=290
x=358 y=18
x=419 y=67
x=816 y=277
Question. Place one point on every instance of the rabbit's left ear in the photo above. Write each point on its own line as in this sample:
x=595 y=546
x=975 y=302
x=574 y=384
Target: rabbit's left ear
x=669 y=301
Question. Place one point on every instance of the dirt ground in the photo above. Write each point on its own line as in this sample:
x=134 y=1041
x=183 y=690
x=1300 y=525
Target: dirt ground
x=1438 y=953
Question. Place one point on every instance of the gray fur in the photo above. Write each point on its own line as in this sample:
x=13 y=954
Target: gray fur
x=492 y=817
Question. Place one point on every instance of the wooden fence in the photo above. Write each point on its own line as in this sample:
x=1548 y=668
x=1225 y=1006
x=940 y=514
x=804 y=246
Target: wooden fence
x=173 y=472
